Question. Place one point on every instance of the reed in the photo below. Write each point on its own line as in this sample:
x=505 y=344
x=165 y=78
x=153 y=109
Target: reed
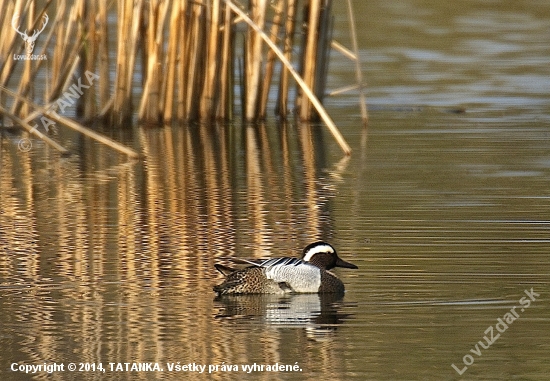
x=225 y=108
x=271 y=56
x=358 y=74
x=102 y=40
x=190 y=58
x=52 y=115
x=313 y=11
x=194 y=50
x=33 y=131
x=282 y=102
x=208 y=99
x=169 y=83
x=149 y=110
x=129 y=16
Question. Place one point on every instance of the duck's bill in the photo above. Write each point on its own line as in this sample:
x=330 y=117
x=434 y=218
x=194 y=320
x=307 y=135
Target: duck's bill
x=341 y=263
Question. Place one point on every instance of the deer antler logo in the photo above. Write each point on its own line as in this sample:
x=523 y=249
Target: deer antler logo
x=29 y=40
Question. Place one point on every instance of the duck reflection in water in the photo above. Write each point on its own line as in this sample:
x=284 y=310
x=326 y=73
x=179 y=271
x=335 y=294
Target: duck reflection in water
x=319 y=314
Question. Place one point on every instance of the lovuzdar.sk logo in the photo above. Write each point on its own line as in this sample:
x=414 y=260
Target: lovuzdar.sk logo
x=29 y=40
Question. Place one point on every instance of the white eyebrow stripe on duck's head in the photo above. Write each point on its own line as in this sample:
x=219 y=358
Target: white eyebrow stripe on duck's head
x=316 y=250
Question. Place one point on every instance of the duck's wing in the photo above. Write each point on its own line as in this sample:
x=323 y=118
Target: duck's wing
x=285 y=261
x=268 y=262
x=224 y=270
x=228 y=261
x=248 y=261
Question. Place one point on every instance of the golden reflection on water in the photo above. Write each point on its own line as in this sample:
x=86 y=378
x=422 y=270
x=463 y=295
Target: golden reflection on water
x=106 y=260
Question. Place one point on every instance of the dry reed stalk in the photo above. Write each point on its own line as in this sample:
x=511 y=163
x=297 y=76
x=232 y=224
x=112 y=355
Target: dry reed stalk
x=31 y=68
x=323 y=49
x=282 y=103
x=103 y=54
x=19 y=108
x=7 y=34
x=208 y=99
x=149 y=63
x=192 y=49
x=309 y=60
x=270 y=61
x=94 y=135
x=194 y=68
x=160 y=46
x=124 y=24
x=129 y=12
x=51 y=105
x=182 y=63
x=69 y=43
x=40 y=110
x=34 y=131
x=9 y=39
x=312 y=98
x=150 y=106
x=86 y=106
x=58 y=59
x=254 y=59
x=63 y=78
x=242 y=81
x=224 y=105
x=358 y=73
x=169 y=83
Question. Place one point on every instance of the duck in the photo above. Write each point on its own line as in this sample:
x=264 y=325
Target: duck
x=308 y=274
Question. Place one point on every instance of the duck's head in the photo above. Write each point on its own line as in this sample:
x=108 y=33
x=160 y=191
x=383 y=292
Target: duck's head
x=324 y=256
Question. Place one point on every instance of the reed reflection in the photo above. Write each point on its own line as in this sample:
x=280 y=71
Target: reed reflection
x=107 y=259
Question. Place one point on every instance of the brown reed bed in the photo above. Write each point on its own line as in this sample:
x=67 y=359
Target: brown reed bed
x=172 y=60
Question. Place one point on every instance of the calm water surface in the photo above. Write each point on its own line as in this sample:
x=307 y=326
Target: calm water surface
x=444 y=205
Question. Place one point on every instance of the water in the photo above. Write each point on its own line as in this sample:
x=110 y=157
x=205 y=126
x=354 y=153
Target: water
x=443 y=205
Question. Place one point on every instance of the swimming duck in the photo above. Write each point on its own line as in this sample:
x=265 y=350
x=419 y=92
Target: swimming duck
x=287 y=275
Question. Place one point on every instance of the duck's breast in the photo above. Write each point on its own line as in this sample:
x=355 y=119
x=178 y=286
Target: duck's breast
x=300 y=276
x=330 y=283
